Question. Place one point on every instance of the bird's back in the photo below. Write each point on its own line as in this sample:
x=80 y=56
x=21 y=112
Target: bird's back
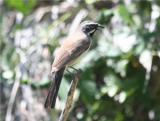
x=71 y=49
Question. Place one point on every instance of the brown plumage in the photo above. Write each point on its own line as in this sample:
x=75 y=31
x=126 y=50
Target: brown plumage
x=72 y=47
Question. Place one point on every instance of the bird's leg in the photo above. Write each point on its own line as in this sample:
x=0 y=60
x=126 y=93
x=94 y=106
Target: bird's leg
x=69 y=71
x=77 y=70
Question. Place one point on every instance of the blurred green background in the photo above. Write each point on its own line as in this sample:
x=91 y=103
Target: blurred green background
x=121 y=71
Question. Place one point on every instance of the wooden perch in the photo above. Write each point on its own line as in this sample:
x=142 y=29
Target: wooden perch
x=69 y=102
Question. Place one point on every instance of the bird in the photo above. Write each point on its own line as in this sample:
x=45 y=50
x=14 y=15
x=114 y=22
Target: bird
x=73 y=46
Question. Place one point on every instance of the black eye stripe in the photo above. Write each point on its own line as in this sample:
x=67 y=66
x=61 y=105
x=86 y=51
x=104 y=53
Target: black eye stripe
x=93 y=26
x=88 y=28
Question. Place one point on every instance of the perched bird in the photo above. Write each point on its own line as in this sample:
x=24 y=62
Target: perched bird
x=72 y=47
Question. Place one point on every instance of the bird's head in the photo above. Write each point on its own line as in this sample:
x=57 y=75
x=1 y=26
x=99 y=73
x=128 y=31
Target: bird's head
x=89 y=27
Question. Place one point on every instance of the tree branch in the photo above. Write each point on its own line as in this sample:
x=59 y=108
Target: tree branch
x=69 y=102
x=13 y=94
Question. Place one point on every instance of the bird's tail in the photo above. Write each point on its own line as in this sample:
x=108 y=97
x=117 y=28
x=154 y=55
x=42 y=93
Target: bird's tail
x=56 y=78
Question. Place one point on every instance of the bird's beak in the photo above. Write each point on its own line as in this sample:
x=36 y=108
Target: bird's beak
x=100 y=27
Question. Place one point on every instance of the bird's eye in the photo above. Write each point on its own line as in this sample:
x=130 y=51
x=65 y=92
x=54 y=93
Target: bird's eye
x=92 y=27
x=87 y=28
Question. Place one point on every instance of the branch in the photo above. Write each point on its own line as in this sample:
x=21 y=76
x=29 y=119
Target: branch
x=13 y=95
x=69 y=102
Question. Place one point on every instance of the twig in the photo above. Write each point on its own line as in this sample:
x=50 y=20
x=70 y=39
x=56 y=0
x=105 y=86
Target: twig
x=11 y=100
x=69 y=102
x=13 y=96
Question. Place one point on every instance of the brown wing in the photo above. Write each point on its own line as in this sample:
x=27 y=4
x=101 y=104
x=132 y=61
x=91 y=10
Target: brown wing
x=61 y=58
x=70 y=50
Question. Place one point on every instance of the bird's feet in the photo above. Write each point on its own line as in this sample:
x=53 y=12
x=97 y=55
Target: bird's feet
x=77 y=70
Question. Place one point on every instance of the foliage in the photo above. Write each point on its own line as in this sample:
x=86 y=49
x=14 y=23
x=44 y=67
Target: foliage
x=121 y=71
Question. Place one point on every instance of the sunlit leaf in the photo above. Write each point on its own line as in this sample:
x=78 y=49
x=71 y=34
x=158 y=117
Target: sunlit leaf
x=24 y=6
x=125 y=15
x=8 y=74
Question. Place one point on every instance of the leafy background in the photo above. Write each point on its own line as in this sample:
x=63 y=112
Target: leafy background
x=121 y=71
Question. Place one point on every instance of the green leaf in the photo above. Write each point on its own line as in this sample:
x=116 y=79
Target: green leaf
x=24 y=6
x=105 y=16
x=88 y=90
x=124 y=14
x=144 y=8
